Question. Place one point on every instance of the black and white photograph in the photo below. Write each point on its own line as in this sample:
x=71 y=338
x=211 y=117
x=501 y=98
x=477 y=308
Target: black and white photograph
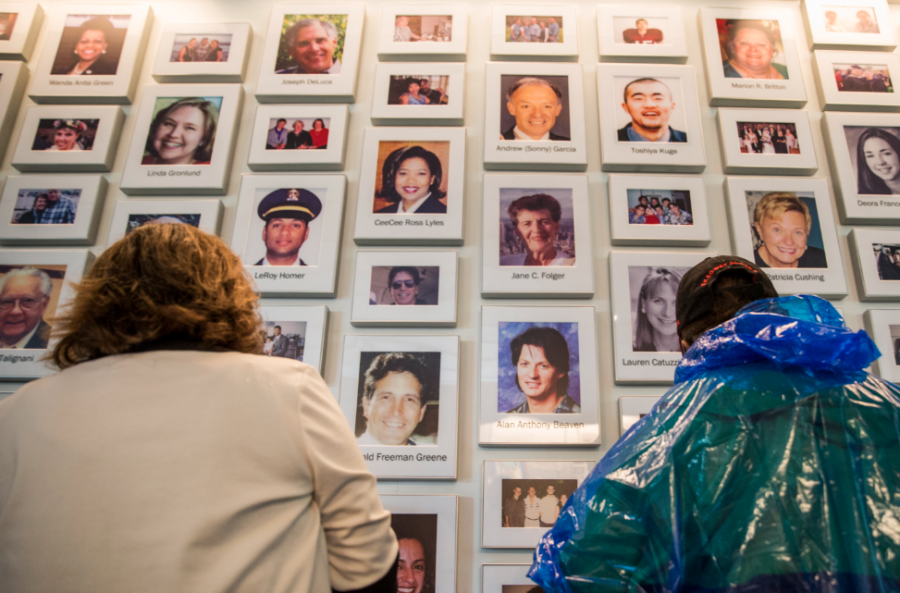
x=294 y=332
x=849 y=24
x=875 y=157
x=658 y=210
x=542 y=32
x=507 y=578
x=856 y=80
x=421 y=94
x=424 y=33
x=533 y=502
x=633 y=408
x=405 y=285
x=20 y=23
x=130 y=215
x=202 y=52
x=653 y=290
x=883 y=326
x=766 y=142
x=887 y=261
x=875 y=264
x=298 y=137
x=641 y=33
x=539 y=227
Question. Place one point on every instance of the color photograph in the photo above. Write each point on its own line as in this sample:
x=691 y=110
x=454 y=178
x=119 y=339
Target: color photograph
x=183 y=131
x=656 y=206
x=213 y=47
x=284 y=339
x=65 y=135
x=46 y=206
x=785 y=230
x=136 y=221
x=751 y=48
x=653 y=291
x=298 y=133
x=537 y=227
x=418 y=90
x=850 y=19
x=430 y=27
x=91 y=45
x=863 y=78
x=412 y=177
x=29 y=296
x=534 y=108
x=311 y=44
x=534 y=502
x=286 y=229
x=768 y=138
x=404 y=285
x=534 y=29
x=7 y=24
x=652 y=109
x=645 y=30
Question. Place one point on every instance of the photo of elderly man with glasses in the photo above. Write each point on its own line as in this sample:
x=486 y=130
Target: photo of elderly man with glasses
x=24 y=297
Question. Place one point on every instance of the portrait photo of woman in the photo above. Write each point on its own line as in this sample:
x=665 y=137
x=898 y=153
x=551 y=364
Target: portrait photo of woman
x=65 y=135
x=535 y=233
x=653 y=291
x=412 y=181
x=319 y=134
x=183 y=131
x=877 y=159
x=90 y=45
x=751 y=49
x=785 y=231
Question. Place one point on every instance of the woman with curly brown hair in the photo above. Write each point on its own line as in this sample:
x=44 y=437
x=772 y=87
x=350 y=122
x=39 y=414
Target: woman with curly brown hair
x=167 y=455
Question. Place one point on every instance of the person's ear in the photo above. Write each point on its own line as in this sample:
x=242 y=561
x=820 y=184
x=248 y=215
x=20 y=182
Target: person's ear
x=422 y=412
x=365 y=407
x=511 y=108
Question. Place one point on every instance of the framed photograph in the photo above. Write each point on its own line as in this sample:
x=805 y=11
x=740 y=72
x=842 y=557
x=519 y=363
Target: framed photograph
x=521 y=500
x=750 y=57
x=287 y=230
x=515 y=140
x=13 y=80
x=402 y=391
x=20 y=23
x=786 y=227
x=183 y=140
x=883 y=326
x=203 y=52
x=411 y=187
x=386 y=281
x=864 y=154
x=92 y=54
x=649 y=118
x=297 y=333
x=539 y=363
x=64 y=138
x=634 y=407
x=34 y=285
x=641 y=33
x=311 y=53
x=51 y=209
x=299 y=138
x=857 y=80
x=129 y=215
x=658 y=210
x=849 y=24
x=418 y=94
x=426 y=33
x=876 y=260
x=537 y=237
x=507 y=578
x=766 y=142
x=527 y=31
x=425 y=525
x=645 y=337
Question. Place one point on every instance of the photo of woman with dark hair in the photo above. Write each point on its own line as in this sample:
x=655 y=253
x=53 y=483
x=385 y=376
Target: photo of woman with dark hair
x=417 y=539
x=411 y=179
x=182 y=132
x=65 y=135
x=878 y=162
x=88 y=53
x=319 y=134
x=653 y=309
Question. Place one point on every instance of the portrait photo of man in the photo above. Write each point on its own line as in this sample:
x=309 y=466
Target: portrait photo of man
x=649 y=104
x=536 y=109
x=25 y=294
x=287 y=214
x=541 y=359
x=310 y=45
x=642 y=34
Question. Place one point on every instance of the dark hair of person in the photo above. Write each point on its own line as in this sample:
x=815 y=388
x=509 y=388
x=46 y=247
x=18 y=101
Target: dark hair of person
x=727 y=303
x=555 y=349
x=98 y=23
x=281 y=119
x=737 y=24
x=276 y=327
x=319 y=121
x=210 y=119
x=162 y=281
x=393 y=162
x=867 y=181
x=411 y=270
x=535 y=203
x=423 y=529
x=640 y=81
x=397 y=362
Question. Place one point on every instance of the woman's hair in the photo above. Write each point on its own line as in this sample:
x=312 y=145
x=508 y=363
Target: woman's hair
x=555 y=347
x=643 y=331
x=210 y=120
x=534 y=203
x=393 y=162
x=738 y=24
x=775 y=204
x=160 y=281
x=867 y=181
x=76 y=125
x=98 y=23
x=411 y=270
x=423 y=529
x=319 y=121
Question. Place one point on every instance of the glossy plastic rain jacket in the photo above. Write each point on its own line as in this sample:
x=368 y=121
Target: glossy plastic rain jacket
x=772 y=465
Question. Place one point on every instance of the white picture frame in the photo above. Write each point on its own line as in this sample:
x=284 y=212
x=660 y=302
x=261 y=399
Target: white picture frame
x=571 y=275
x=739 y=159
x=19 y=43
x=85 y=192
x=445 y=508
x=735 y=91
x=436 y=221
x=874 y=276
x=387 y=107
x=823 y=33
x=808 y=278
x=629 y=271
x=683 y=152
x=330 y=158
x=113 y=78
x=63 y=267
x=565 y=476
x=435 y=297
x=618 y=22
x=863 y=196
x=883 y=326
x=430 y=427
x=565 y=148
x=206 y=215
x=201 y=176
x=634 y=407
x=233 y=38
x=303 y=327
x=564 y=49
x=825 y=64
x=104 y=121
x=441 y=39
x=688 y=192
x=13 y=80
x=320 y=251
x=337 y=86
x=501 y=388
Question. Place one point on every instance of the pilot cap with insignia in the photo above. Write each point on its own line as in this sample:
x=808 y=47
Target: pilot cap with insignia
x=290 y=203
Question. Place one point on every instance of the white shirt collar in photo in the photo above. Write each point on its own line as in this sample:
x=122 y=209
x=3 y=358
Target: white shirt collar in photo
x=296 y=262
x=520 y=135
x=21 y=343
x=416 y=205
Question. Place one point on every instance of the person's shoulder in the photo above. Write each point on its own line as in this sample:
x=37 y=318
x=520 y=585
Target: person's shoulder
x=782 y=69
x=813 y=258
x=389 y=209
x=730 y=72
x=516 y=259
x=432 y=206
x=677 y=135
x=509 y=134
x=623 y=133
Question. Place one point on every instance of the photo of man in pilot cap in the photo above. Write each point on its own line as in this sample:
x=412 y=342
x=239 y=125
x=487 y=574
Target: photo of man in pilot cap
x=287 y=214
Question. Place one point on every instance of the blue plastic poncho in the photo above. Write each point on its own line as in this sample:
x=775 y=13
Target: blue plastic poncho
x=772 y=465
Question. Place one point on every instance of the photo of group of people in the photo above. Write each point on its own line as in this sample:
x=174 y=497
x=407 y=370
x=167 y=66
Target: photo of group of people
x=284 y=339
x=65 y=134
x=751 y=48
x=311 y=44
x=46 y=206
x=539 y=229
x=7 y=24
x=29 y=296
x=201 y=48
x=534 y=29
x=418 y=90
x=538 y=368
x=91 y=45
x=785 y=230
x=430 y=27
x=651 y=110
x=863 y=78
x=136 y=221
x=768 y=138
x=850 y=19
x=652 y=290
x=417 y=539
x=536 y=109
x=412 y=177
x=875 y=159
x=887 y=261
x=301 y=134
x=398 y=398
x=655 y=206
x=534 y=502
x=641 y=31
x=404 y=285
x=183 y=131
